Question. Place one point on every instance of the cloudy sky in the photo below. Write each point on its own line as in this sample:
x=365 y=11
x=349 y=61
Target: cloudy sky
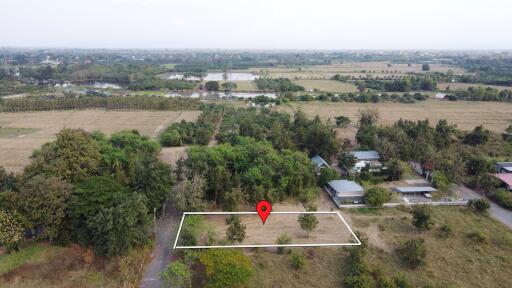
x=257 y=24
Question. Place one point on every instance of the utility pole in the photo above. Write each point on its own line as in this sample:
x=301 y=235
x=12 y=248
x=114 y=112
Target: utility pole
x=154 y=219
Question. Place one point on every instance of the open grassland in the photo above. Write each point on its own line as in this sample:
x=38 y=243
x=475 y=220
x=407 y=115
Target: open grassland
x=494 y=116
x=465 y=86
x=355 y=69
x=327 y=85
x=40 y=265
x=455 y=261
x=15 y=151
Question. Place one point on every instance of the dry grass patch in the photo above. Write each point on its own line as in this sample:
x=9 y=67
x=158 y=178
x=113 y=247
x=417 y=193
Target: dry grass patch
x=495 y=116
x=327 y=85
x=15 y=152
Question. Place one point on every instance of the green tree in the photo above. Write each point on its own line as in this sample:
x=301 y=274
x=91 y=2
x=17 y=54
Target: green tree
x=236 y=231
x=440 y=181
x=377 y=196
x=395 y=169
x=7 y=180
x=414 y=252
x=326 y=175
x=43 y=202
x=421 y=217
x=190 y=194
x=11 y=231
x=177 y=274
x=228 y=86
x=226 y=268
x=212 y=86
x=346 y=160
x=74 y=156
x=308 y=222
x=478 y=136
x=153 y=179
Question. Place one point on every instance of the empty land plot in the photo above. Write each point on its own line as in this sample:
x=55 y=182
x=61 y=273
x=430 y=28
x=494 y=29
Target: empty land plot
x=327 y=85
x=465 y=86
x=330 y=230
x=15 y=151
x=495 y=116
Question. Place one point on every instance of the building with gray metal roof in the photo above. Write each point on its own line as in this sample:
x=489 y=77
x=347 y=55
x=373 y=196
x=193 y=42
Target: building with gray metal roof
x=366 y=155
x=345 y=191
x=319 y=162
x=414 y=190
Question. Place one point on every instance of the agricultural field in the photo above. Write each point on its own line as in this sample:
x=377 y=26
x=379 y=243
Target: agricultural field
x=494 y=116
x=36 y=128
x=326 y=85
x=465 y=86
x=355 y=69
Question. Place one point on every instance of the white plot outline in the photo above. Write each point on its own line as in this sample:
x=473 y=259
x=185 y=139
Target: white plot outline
x=358 y=243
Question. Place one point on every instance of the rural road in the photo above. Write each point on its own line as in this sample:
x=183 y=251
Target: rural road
x=499 y=213
x=161 y=256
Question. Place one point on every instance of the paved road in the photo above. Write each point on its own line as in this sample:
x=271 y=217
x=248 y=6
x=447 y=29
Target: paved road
x=167 y=227
x=499 y=213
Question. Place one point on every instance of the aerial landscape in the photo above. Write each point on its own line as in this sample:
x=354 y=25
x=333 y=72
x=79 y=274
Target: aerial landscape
x=255 y=144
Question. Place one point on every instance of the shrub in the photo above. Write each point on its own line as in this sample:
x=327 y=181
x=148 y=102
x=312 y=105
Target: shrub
x=282 y=240
x=440 y=181
x=477 y=237
x=226 y=268
x=421 y=217
x=177 y=274
x=414 y=252
x=503 y=198
x=298 y=261
x=480 y=206
x=11 y=232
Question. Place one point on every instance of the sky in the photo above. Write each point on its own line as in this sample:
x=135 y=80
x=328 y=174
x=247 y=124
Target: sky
x=257 y=24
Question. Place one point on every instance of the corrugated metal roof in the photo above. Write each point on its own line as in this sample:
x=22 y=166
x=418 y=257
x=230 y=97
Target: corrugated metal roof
x=319 y=161
x=346 y=188
x=366 y=155
x=415 y=189
x=505 y=177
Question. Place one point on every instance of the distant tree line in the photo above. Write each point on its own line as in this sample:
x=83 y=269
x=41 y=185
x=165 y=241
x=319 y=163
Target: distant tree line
x=480 y=94
x=278 y=85
x=90 y=102
x=406 y=84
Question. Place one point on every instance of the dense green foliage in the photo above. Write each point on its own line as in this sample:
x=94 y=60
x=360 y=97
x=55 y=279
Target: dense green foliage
x=414 y=252
x=236 y=231
x=91 y=102
x=377 y=196
x=278 y=85
x=425 y=83
x=226 y=268
x=421 y=217
x=91 y=190
x=201 y=132
x=177 y=274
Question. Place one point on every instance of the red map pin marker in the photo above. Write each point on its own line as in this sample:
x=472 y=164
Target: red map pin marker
x=263 y=208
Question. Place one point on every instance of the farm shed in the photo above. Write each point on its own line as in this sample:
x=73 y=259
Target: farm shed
x=364 y=158
x=345 y=191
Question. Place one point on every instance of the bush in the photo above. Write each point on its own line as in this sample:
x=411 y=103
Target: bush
x=298 y=261
x=502 y=197
x=440 y=181
x=226 y=268
x=414 y=252
x=421 y=218
x=480 y=206
x=477 y=237
x=282 y=240
x=177 y=274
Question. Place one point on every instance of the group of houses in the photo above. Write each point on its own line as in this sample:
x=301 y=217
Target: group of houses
x=344 y=191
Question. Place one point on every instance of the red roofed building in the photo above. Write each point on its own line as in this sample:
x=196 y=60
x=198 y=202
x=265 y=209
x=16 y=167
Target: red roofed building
x=506 y=178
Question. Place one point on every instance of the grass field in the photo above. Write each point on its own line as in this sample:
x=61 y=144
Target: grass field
x=41 y=265
x=452 y=262
x=494 y=116
x=356 y=69
x=15 y=151
x=9 y=132
x=465 y=86
x=327 y=85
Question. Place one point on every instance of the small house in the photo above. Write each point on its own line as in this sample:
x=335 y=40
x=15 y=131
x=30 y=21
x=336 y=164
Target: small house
x=365 y=158
x=319 y=163
x=440 y=96
x=345 y=191
x=504 y=167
